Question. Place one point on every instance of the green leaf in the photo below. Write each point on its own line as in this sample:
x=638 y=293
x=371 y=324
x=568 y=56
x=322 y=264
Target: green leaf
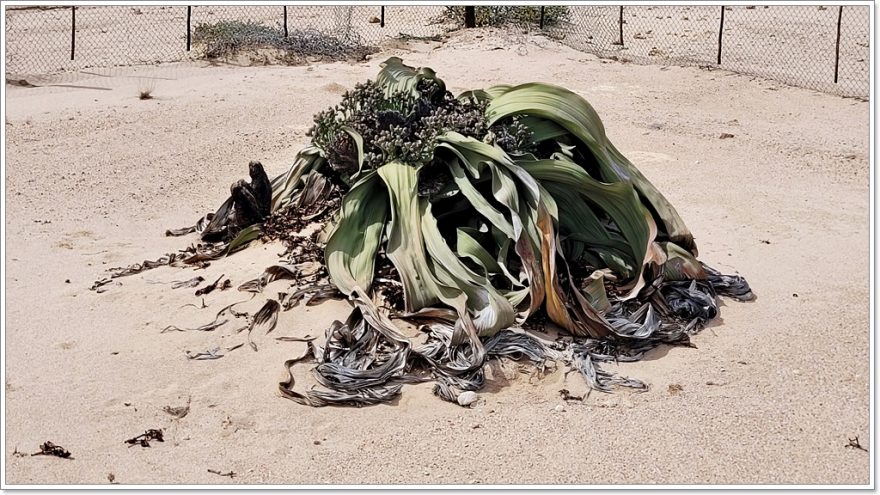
x=476 y=199
x=491 y=310
x=680 y=264
x=595 y=292
x=579 y=223
x=284 y=185
x=243 y=238
x=350 y=253
x=406 y=246
x=477 y=94
x=543 y=129
x=468 y=247
x=396 y=77
x=578 y=117
x=618 y=199
x=497 y=90
x=524 y=215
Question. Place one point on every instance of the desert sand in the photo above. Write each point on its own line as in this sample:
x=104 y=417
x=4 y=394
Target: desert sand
x=94 y=176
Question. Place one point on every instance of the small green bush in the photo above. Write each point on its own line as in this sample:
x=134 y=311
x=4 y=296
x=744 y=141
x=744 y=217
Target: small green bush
x=498 y=15
x=228 y=38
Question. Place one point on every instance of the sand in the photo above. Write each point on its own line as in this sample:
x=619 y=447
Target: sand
x=94 y=176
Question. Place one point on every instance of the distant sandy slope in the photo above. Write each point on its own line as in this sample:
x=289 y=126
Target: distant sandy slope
x=793 y=43
x=770 y=395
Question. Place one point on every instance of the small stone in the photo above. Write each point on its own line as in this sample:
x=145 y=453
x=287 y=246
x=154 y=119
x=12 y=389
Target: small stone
x=374 y=20
x=560 y=408
x=725 y=135
x=67 y=281
x=465 y=399
x=675 y=389
x=317 y=442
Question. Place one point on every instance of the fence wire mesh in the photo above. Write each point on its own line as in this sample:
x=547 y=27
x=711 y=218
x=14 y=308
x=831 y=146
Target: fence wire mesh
x=592 y=29
x=403 y=22
x=797 y=45
x=792 y=44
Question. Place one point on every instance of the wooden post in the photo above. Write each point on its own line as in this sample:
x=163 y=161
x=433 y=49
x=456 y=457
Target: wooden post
x=837 y=44
x=620 y=25
x=285 y=21
x=720 y=33
x=73 y=31
x=470 y=17
x=382 y=17
x=542 y=17
x=188 y=27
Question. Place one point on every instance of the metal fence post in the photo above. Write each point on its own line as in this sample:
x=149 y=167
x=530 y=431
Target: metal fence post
x=188 y=27
x=382 y=16
x=285 y=21
x=73 y=31
x=470 y=17
x=542 y=17
x=720 y=33
x=620 y=25
x=837 y=44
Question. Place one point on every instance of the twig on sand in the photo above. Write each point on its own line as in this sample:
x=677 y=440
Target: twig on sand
x=230 y=474
x=854 y=444
x=204 y=355
x=210 y=287
x=50 y=448
x=144 y=439
x=567 y=396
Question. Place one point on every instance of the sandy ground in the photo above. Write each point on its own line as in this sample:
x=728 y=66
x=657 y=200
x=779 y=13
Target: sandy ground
x=94 y=176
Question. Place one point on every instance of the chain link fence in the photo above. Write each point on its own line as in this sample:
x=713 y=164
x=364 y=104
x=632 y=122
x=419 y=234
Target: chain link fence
x=49 y=40
x=824 y=48
x=796 y=45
